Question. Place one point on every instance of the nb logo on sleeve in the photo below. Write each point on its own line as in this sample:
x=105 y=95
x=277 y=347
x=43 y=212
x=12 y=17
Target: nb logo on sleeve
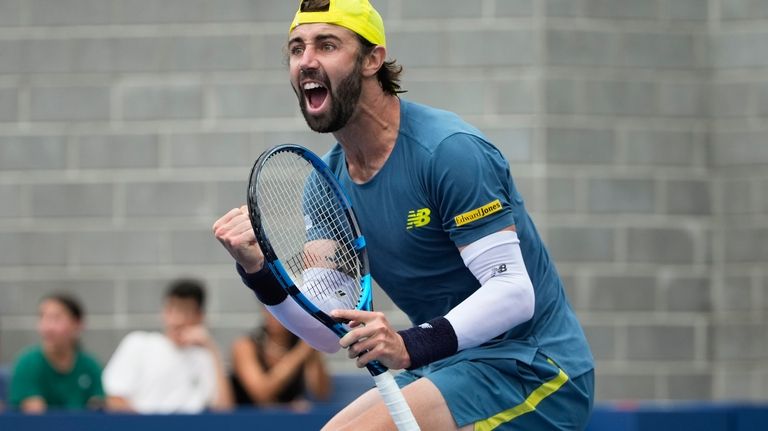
x=418 y=218
x=498 y=270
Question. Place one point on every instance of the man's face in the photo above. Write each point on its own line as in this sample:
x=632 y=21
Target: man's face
x=179 y=314
x=325 y=74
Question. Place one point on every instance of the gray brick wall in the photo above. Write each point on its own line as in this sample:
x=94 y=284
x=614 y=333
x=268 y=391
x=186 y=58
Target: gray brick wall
x=635 y=128
x=739 y=144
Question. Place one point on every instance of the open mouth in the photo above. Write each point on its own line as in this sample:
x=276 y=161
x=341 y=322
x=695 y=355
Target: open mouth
x=315 y=94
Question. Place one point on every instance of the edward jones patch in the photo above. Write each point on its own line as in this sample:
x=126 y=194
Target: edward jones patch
x=478 y=213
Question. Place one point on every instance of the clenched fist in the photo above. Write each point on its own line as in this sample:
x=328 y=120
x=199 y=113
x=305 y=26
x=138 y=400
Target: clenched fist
x=235 y=233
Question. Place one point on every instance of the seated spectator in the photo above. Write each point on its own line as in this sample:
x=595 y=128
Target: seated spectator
x=177 y=371
x=57 y=373
x=273 y=366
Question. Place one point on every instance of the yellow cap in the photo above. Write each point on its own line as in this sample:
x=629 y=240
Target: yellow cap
x=356 y=15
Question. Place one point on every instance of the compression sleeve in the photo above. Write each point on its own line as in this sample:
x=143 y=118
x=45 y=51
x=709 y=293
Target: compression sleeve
x=506 y=293
x=306 y=327
x=288 y=312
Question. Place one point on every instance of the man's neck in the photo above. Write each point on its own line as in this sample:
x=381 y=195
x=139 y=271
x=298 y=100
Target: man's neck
x=370 y=135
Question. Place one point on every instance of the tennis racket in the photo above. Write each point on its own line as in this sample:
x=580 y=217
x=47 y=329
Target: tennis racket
x=305 y=226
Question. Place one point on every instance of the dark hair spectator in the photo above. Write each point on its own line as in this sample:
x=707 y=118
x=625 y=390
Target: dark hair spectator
x=179 y=370
x=57 y=373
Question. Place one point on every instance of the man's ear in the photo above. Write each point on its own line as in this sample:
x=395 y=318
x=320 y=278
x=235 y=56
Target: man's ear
x=374 y=61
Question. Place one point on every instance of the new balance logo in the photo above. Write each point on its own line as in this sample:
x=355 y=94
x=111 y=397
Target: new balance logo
x=418 y=218
x=499 y=269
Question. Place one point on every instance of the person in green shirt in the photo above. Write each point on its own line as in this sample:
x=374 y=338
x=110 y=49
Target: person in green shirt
x=56 y=373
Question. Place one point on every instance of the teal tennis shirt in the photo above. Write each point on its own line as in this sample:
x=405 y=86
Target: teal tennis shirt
x=444 y=186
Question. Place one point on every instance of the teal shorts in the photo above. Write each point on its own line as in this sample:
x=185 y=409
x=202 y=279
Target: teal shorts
x=507 y=394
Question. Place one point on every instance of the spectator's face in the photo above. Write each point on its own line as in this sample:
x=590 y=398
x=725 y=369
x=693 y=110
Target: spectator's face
x=57 y=327
x=178 y=315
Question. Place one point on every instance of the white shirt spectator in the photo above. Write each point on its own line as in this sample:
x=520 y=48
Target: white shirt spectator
x=156 y=376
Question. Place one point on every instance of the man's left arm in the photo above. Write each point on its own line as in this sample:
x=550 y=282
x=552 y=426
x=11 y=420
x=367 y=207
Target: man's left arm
x=504 y=300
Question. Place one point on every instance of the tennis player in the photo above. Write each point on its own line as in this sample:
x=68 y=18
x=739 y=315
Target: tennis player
x=495 y=343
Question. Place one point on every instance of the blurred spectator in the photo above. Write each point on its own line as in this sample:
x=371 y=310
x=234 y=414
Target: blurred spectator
x=273 y=366
x=177 y=371
x=57 y=373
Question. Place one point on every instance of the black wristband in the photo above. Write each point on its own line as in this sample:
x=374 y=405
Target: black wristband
x=430 y=342
x=264 y=285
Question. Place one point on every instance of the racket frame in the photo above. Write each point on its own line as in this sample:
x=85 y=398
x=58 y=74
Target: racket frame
x=273 y=262
x=388 y=389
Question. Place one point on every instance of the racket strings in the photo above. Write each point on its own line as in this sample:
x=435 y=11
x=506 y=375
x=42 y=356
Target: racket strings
x=309 y=231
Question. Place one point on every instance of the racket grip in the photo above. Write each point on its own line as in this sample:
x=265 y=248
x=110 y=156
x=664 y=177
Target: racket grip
x=398 y=408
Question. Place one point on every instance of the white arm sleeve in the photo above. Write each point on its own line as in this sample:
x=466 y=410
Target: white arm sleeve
x=505 y=298
x=306 y=327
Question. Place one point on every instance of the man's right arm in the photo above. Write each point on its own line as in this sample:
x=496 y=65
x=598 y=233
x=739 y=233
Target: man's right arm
x=235 y=232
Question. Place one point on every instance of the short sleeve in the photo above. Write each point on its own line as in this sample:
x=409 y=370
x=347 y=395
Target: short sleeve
x=471 y=187
x=121 y=373
x=25 y=379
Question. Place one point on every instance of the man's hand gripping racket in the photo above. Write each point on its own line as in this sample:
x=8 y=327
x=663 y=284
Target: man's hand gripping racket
x=311 y=241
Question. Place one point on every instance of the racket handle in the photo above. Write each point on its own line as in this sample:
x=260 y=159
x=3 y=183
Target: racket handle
x=398 y=408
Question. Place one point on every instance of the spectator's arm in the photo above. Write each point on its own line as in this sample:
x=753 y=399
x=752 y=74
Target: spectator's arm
x=264 y=386
x=224 y=399
x=118 y=404
x=316 y=377
x=35 y=404
x=198 y=335
x=26 y=392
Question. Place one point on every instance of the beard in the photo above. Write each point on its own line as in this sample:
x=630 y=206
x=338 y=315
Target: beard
x=343 y=101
